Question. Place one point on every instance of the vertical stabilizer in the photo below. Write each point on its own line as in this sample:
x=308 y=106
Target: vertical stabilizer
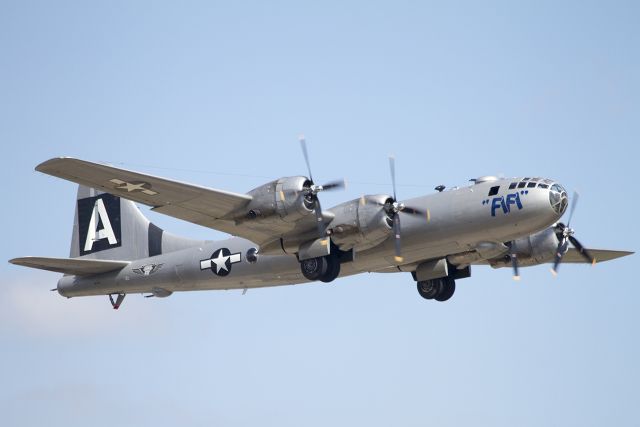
x=108 y=227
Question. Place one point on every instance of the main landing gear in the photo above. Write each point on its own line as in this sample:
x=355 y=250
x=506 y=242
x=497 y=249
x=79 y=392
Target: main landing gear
x=324 y=268
x=438 y=289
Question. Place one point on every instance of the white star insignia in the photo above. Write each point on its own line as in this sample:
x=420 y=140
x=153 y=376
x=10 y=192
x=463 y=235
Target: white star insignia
x=221 y=262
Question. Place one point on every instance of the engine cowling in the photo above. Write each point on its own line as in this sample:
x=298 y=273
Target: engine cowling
x=280 y=200
x=538 y=248
x=361 y=226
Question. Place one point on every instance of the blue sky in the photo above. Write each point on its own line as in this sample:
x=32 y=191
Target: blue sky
x=216 y=94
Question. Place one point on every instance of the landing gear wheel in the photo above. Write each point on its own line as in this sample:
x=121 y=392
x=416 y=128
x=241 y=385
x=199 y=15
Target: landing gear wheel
x=314 y=268
x=428 y=289
x=333 y=269
x=447 y=290
x=325 y=268
x=437 y=289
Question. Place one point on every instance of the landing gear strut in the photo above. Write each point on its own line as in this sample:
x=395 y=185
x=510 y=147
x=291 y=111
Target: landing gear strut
x=439 y=289
x=324 y=268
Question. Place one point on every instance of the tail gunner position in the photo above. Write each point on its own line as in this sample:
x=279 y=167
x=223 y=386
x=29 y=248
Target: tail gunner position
x=282 y=236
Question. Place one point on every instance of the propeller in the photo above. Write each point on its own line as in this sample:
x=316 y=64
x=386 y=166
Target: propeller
x=514 y=261
x=311 y=191
x=565 y=236
x=393 y=208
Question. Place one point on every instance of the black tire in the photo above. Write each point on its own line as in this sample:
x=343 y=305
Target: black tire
x=333 y=269
x=429 y=289
x=448 y=289
x=314 y=268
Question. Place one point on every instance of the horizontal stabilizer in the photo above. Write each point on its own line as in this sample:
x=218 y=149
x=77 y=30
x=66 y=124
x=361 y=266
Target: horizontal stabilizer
x=573 y=256
x=75 y=266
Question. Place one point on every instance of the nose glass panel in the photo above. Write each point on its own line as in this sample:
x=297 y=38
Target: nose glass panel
x=558 y=198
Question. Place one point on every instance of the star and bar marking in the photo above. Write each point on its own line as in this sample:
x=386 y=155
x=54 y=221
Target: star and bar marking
x=220 y=262
x=133 y=187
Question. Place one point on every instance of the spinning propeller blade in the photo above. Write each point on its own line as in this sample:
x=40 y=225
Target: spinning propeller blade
x=514 y=261
x=319 y=220
x=303 y=144
x=396 y=233
x=334 y=185
x=392 y=168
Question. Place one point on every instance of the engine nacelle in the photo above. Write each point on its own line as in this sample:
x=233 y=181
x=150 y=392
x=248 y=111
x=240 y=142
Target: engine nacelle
x=359 y=225
x=281 y=200
x=536 y=249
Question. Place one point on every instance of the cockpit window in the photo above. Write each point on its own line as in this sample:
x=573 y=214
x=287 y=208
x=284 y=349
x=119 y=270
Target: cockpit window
x=526 y=179
x=522 y=184
x=512 y=185
x=531 y=185
x=494 y=190
x=543 y=186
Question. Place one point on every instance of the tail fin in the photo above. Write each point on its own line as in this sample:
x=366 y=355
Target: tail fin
x=110 y=228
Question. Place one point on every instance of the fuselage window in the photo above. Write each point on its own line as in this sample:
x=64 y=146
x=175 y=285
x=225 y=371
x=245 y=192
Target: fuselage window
x=512 y=185
x=494 y=190
x=522 y=184
x=531 y=185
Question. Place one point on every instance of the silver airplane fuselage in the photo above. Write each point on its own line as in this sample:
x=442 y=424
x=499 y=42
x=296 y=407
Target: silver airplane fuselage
x=458 y=221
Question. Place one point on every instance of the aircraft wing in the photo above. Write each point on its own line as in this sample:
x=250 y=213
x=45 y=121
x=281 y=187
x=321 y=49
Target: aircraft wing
x=160 y=193
x=78 y=267
x=199 y=205
x=601 y=255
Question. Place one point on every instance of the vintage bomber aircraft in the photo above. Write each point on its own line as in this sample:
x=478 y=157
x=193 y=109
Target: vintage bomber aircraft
x=283 y=237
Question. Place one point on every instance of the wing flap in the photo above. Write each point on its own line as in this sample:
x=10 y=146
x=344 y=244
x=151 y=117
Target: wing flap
x=75 y=266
